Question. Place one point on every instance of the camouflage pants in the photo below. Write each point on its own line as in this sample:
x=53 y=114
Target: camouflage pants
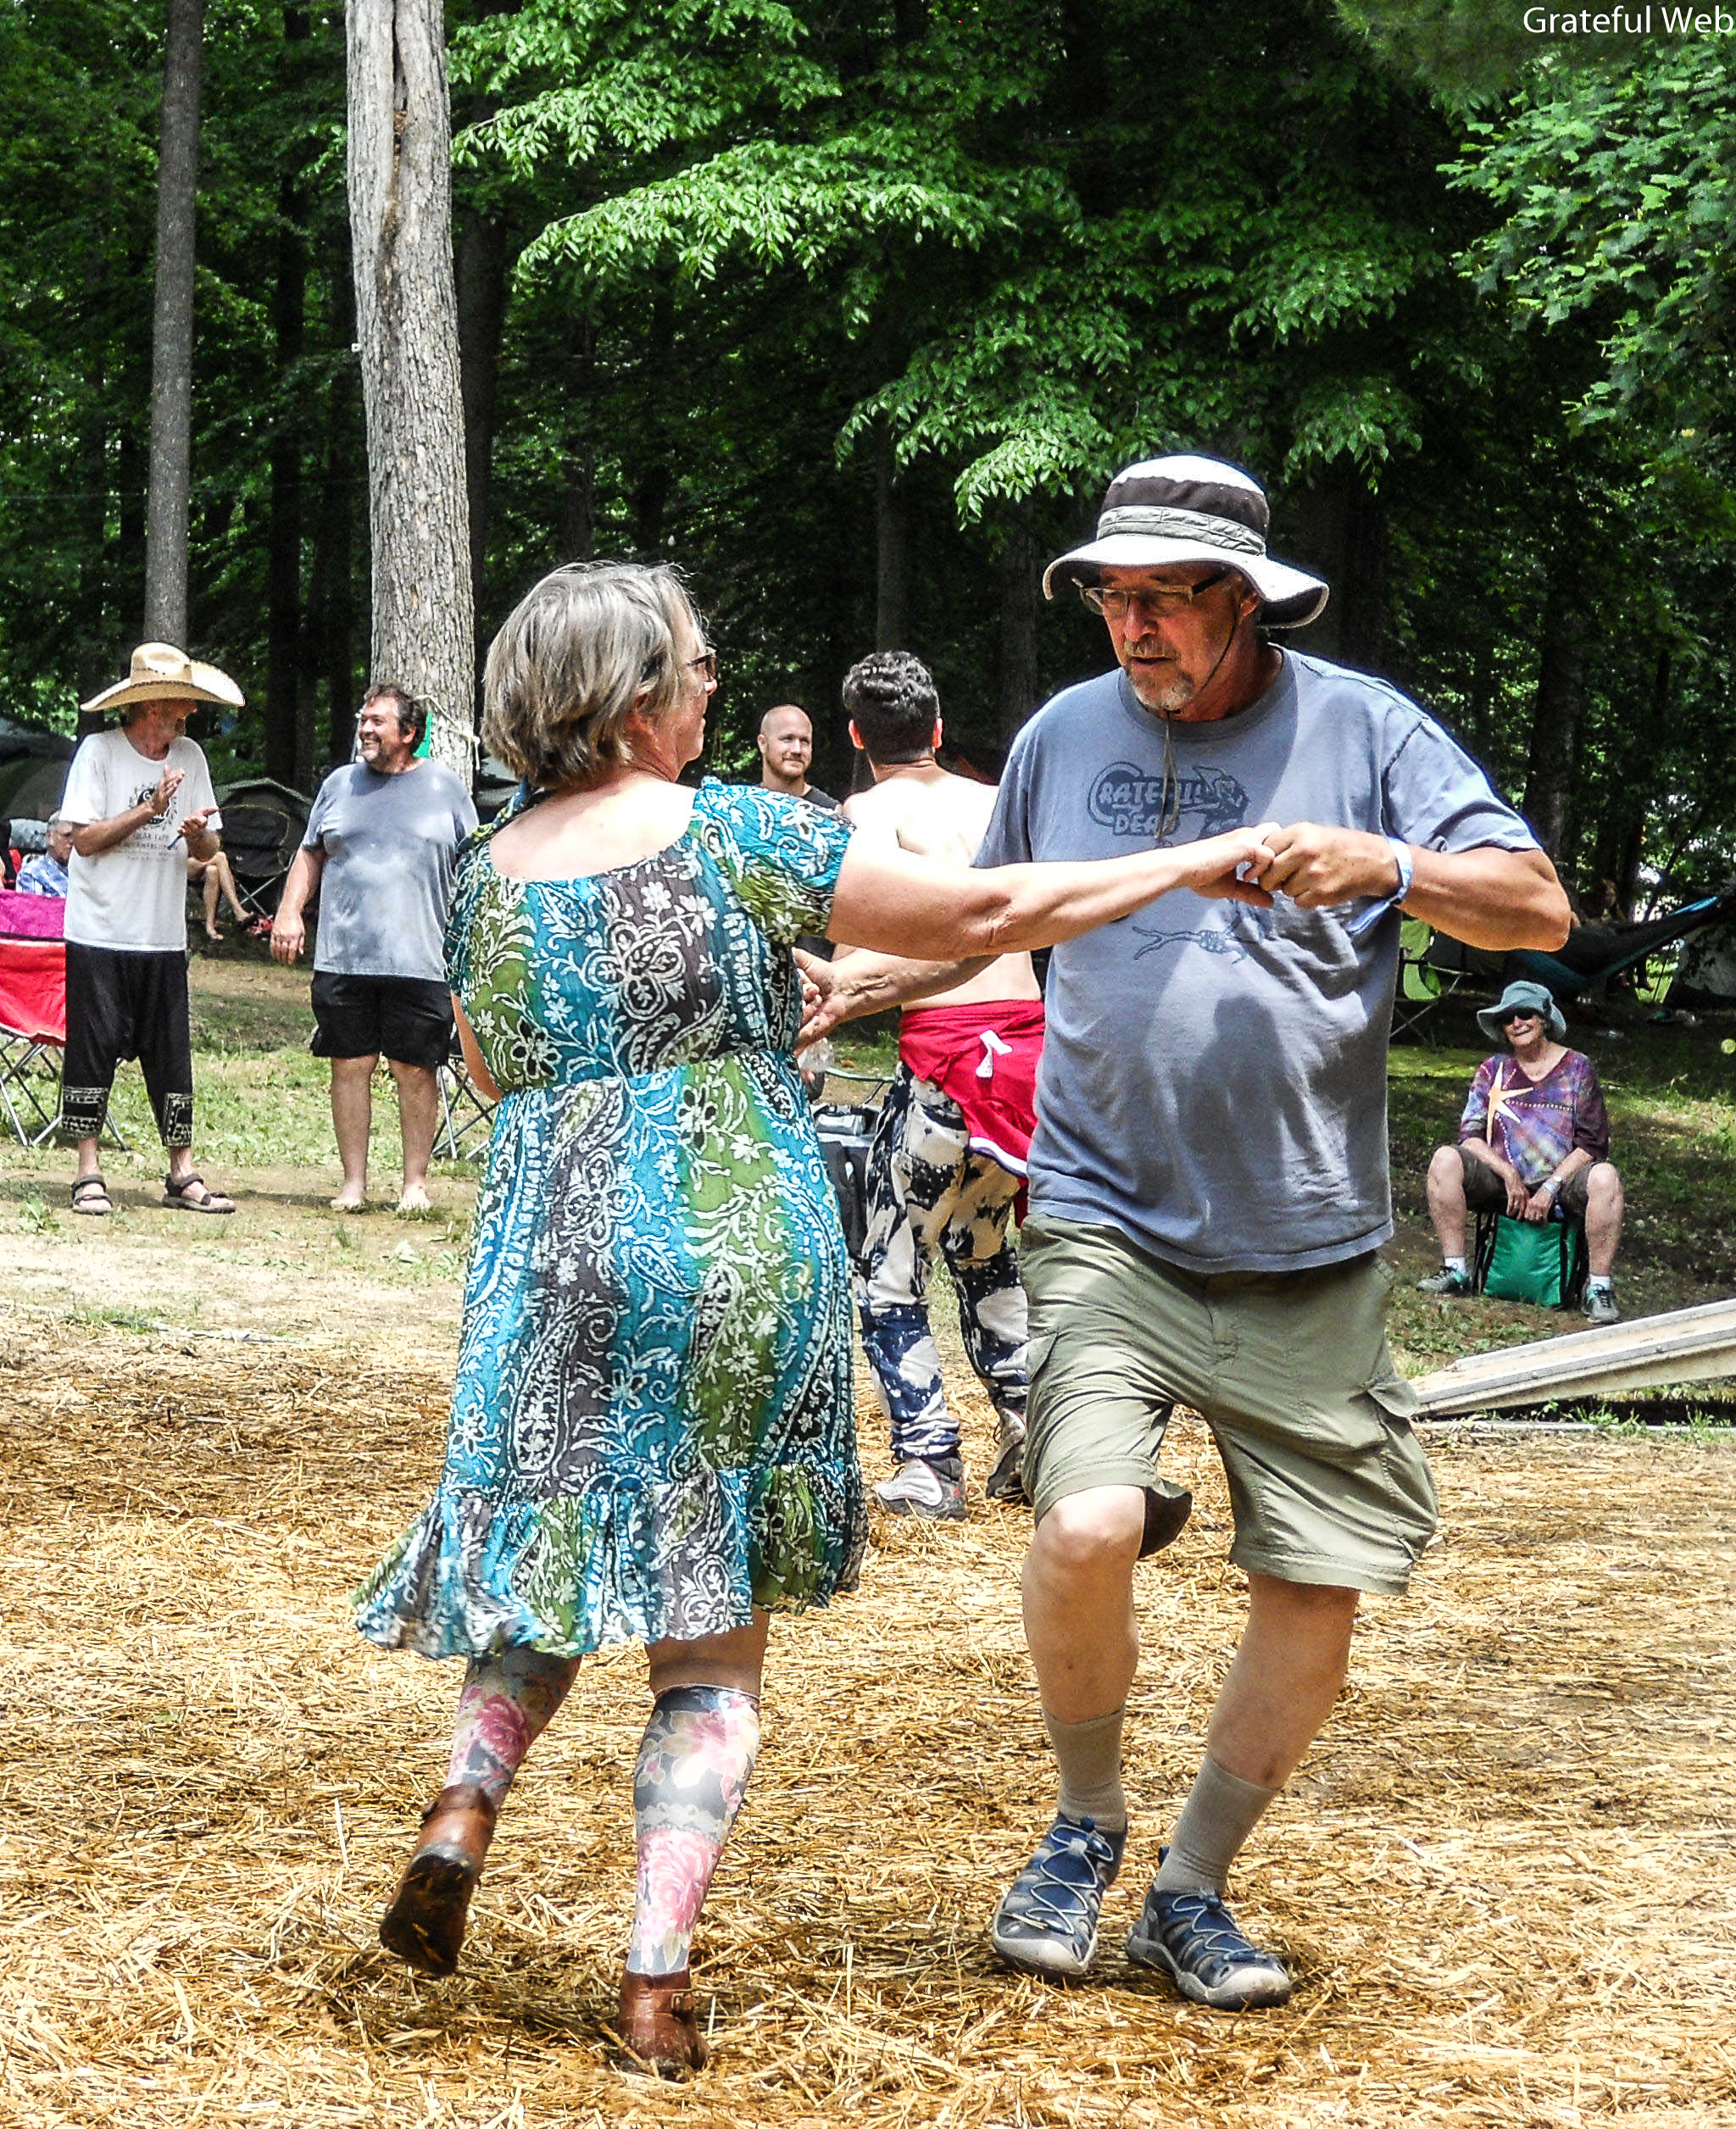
x=927 y=1192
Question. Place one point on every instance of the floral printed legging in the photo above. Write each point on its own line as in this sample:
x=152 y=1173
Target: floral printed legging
x=691 y=1773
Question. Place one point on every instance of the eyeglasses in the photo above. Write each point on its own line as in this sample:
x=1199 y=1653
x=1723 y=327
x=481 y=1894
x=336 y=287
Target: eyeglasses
x=1115 y=602
x=705 y=666
x=1522 y=1013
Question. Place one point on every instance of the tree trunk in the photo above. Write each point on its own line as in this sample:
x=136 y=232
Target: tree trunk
x=1554 y=724
x=172 y=328
x=891 y=623
x=482 y=251
x=423 y=636
x=576 y=532
x=283 y=542
x=1019 y=595
x=328 y=641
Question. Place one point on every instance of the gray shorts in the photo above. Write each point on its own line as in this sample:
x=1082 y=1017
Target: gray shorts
x=1486 y=1191
x=1290 y=1371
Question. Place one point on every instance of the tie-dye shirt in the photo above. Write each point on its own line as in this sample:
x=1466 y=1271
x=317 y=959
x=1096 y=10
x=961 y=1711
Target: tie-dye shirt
x=1535 y=1124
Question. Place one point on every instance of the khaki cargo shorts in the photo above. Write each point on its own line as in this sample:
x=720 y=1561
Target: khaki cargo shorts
x=1291 y=1372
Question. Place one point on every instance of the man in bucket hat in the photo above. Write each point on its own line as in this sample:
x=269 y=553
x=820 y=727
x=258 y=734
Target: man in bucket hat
x=139 y=802
x=1534 y=1137
x=1209 y=1177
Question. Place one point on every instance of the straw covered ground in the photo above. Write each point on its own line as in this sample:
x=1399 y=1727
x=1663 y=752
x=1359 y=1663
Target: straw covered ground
x=1505 y=1878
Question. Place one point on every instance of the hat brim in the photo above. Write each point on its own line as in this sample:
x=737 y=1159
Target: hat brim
x=1290 y=597
x=207 y=685
x=1491 y=1018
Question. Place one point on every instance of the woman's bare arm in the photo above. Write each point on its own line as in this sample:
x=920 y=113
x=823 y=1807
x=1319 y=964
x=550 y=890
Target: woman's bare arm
x=897 y=904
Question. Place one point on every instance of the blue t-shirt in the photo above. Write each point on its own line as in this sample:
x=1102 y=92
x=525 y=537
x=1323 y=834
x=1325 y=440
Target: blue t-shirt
x=390 y=845
x=1214 y=1076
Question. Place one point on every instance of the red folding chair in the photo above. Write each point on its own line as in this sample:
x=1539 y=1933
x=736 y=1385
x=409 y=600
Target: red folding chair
x=33 y=1016
x=33 y=1013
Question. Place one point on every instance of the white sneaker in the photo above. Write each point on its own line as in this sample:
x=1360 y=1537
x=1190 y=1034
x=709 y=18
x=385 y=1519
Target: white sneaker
x=933 y=1492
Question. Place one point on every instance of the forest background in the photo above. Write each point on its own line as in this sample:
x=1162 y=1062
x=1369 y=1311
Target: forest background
x=851 y=312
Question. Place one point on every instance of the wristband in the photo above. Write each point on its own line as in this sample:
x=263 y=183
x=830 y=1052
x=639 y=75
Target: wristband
x=1372 y=915
x=1552 y=1184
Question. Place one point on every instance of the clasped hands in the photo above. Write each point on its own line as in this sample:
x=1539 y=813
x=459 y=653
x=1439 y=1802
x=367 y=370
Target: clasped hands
x=1316 y=867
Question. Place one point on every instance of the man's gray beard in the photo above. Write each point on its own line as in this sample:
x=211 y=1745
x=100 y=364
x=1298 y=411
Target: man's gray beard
x=1166 y=697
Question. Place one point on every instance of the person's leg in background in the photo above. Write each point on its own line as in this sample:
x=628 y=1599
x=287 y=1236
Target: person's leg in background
x=347 y=1033
x=914 y=1167
x=164 y=1031
x=99 y=1034
x=417 y=1119
x=992 y=1312
x=352 y=1120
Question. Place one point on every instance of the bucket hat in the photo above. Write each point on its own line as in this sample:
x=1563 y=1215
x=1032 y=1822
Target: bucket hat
x=160 y=673
x=1190 y=509
x=1526 y=998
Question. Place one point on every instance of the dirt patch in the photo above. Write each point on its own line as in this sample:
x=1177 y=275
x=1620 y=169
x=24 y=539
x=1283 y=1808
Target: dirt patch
x=1504 y=1877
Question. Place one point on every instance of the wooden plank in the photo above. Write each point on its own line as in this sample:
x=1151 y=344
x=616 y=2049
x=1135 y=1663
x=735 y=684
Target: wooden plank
x=1689 y=1345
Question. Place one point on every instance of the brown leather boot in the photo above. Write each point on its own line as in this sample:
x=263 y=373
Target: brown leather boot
x=425 y=1923
x=659 y=2033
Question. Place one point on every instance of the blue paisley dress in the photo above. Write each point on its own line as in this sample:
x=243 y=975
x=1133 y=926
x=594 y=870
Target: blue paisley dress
x=652 y=1428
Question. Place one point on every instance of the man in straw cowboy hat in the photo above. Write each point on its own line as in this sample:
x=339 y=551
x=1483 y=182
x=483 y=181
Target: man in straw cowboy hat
x=139 y=802
x=1209 y=1177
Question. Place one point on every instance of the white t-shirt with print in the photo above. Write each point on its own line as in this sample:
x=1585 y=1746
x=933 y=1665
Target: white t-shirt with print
x=132 y=899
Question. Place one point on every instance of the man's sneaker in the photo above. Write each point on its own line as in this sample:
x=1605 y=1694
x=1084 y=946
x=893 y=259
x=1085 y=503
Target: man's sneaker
x=1006 y=1482
x=1193 y=1939
x=1601 y=1305
x=933 y=1492
x=1451 y=1285
x=1047 y=1919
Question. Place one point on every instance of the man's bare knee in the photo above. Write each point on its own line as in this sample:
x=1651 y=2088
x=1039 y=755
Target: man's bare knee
x=1085 y=1535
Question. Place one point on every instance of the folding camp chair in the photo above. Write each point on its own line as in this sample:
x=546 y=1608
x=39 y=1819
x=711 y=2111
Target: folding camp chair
x=33 y=1016
x=261 y=843
x=1424 y=986
x=466 y=1117
x=1568 y=1234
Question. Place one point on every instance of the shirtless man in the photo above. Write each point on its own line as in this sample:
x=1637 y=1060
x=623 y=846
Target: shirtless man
x=948 y=1156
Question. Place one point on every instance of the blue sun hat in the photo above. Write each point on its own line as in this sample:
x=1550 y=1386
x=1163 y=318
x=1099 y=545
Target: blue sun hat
x=1522 y=997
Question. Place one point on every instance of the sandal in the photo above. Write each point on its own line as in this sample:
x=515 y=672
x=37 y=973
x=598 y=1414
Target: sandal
x=84 y=1190
x=175 y=1193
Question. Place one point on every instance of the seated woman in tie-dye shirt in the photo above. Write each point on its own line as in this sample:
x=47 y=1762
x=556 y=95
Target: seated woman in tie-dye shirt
x=1534 y=1137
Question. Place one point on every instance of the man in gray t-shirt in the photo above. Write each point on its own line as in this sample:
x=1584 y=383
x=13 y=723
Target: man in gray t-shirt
x=380 y=846
x=1209 y=1175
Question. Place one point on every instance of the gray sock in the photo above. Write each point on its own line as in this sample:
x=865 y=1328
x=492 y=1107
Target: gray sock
x=1089 y=1755
x=1221 y=1812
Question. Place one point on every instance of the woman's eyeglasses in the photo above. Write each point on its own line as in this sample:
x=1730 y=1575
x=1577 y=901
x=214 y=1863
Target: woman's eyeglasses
x=705 y=666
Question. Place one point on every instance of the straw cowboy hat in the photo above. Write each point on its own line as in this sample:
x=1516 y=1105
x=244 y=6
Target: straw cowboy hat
x=1189 y=510
x=160 y=673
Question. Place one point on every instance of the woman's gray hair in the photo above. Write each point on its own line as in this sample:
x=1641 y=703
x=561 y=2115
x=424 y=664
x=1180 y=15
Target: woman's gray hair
x=578 y=654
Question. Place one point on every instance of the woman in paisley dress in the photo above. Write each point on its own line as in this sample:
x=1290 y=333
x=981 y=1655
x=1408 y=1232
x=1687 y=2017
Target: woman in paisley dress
x=651 y=1435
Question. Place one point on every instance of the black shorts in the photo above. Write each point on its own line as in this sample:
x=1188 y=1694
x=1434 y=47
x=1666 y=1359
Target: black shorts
x=405 y=1018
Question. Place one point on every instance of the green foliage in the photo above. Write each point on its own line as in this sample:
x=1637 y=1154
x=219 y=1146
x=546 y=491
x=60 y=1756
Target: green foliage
x=1617 y=191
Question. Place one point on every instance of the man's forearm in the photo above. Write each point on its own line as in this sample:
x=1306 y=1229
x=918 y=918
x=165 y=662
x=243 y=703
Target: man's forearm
x=877 y=983
x=1494 y=899
x=303 y=877
x=93 y=837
